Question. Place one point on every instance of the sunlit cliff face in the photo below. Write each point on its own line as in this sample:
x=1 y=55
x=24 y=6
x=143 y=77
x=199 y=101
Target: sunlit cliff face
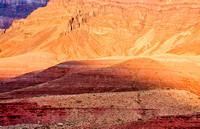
x=96 y=63
x=88 y=29
x=17 y=9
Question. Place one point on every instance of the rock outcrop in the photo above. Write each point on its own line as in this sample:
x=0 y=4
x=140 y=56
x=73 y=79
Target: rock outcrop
x=88 y=29
x=124 y=63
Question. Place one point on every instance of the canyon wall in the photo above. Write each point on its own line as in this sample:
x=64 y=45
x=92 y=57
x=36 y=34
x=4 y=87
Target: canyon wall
x=116 y=28
x=125 y=64
x=87 y=29
x=17 y=9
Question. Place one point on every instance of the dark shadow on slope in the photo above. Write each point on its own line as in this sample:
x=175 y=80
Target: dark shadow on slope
x=52 y=73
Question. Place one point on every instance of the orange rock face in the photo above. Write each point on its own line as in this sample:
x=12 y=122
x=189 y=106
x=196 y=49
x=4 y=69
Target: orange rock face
x=148 y=50
x=88 y=29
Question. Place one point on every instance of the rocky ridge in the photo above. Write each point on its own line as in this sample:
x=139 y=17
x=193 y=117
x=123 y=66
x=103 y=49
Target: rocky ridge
x=88 y=29
x=125 y=64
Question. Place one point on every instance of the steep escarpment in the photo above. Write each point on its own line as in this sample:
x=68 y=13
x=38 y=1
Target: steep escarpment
x=125 y=64
x=88 y=29
x=111 y=26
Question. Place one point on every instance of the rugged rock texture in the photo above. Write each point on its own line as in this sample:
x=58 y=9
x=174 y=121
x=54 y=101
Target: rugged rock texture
x=179 y=121
x=96 y=110
x=135 y=60
x=87 y=29
x=17 y=9
x=5 y=22
x=42 y=97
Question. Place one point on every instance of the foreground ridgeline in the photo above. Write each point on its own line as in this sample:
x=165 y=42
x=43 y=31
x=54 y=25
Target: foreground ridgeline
x=105 y=93
x=102 y=64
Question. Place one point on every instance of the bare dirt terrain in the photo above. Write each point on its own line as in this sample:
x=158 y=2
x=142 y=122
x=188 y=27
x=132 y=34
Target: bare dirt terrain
x=102 y=64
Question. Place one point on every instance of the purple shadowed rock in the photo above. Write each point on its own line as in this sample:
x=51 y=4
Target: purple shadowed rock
x=17 y=9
